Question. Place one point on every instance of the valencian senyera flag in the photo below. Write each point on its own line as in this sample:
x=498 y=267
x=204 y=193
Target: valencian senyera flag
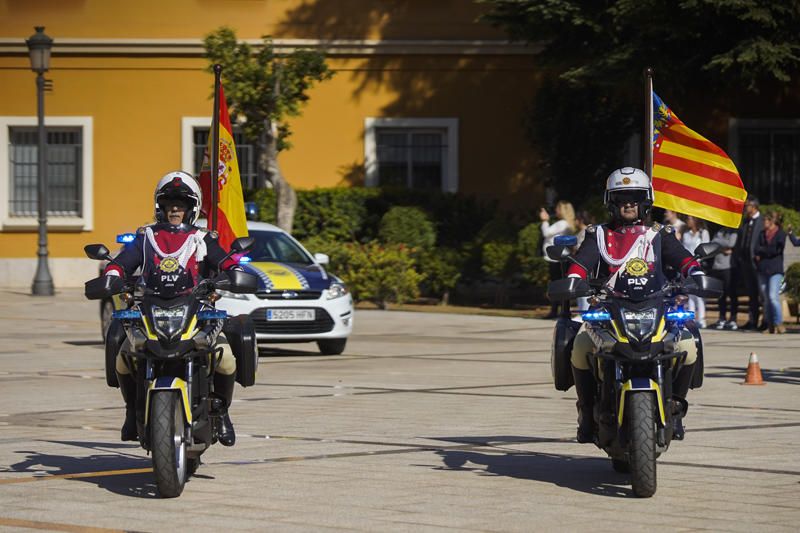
x=692 y=175
x=231 y=219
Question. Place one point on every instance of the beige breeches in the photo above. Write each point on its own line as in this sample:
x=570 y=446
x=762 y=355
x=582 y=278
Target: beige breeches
x=583 y=346
x=226 y=366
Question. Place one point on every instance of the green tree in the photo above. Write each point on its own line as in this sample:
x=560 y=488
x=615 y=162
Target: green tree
x=594 y=53
x=263 y=89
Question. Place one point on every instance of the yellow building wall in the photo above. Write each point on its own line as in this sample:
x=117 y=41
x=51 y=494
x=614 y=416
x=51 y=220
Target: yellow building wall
x=137 y=102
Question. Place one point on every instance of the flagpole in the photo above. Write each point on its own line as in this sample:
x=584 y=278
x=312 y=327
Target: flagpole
x=214 y=161
x=648 y=122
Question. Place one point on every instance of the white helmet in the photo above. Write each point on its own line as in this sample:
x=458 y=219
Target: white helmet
x=180 y=185
x=625 y=185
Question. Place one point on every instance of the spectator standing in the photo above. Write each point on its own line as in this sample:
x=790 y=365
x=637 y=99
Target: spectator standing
x=672 y=219
x=565 y=226
x=726 y=238
x=744 y=265
x=769 y=265
x=694 y=235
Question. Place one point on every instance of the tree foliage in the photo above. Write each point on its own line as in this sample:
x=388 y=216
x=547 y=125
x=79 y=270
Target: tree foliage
x=261 y=86
x=594 y=54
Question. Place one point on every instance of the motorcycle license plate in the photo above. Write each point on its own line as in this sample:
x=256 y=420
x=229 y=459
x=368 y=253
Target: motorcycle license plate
x=290 y=315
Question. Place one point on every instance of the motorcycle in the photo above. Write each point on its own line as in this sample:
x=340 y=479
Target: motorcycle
x=169 y=342
x=634 y=360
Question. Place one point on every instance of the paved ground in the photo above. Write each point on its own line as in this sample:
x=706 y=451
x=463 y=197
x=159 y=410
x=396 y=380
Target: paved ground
x=429 y=422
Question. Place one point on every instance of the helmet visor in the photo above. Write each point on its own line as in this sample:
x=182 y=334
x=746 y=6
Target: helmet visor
x=628 y=197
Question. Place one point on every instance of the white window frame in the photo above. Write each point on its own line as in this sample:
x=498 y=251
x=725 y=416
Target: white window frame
x=449 y=125
x=82 y=223
x=188 y=124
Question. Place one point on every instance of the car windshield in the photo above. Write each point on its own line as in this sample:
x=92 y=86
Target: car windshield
x=276 y=246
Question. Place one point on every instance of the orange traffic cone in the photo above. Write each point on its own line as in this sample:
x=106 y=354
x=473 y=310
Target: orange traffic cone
x=753 y=376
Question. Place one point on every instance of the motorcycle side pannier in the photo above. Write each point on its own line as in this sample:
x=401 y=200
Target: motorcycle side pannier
x=115 y=336
x=563 y=337
x=241 y=335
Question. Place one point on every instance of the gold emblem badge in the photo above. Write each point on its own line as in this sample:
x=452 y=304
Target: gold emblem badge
x=626 y=181
x=636 y=267
x=169 y=264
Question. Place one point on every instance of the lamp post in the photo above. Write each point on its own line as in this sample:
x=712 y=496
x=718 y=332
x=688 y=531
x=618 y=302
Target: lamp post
x=39 y=46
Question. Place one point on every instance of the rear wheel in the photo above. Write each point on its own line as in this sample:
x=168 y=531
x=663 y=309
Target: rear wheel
x=170 y=464
x=642 y=445
x=331 y=346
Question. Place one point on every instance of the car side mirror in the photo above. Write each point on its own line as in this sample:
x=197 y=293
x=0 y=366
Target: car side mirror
x=322 y=259
x=242 y=245
x=557 y=253
x=96 y=251
x=707 y=250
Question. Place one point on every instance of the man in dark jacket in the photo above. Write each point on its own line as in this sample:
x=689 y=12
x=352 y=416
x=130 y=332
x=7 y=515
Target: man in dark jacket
x=744 y=261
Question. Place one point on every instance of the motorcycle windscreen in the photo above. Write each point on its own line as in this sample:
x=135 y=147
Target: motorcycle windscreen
x=638 y=280
x=167 y=279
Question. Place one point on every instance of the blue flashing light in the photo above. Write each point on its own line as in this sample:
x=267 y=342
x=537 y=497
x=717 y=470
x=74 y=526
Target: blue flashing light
x=212 y=315
x=596 y=316
x=566 y=240
x=244 y=260
x=680 y=315
x=127 y=314
x=126 y=238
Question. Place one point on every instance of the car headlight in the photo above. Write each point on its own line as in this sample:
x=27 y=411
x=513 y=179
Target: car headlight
x=336 y=290
x=233 y=295
x=640 y=324
x=168 y=321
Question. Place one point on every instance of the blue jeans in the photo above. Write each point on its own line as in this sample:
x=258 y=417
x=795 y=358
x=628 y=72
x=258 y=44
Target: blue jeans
x=769 y=287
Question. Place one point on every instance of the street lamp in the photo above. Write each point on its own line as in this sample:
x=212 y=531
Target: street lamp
x=39 y=46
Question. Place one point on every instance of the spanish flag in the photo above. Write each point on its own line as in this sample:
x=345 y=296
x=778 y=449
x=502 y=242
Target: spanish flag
x=231 y=220
x=692 y=175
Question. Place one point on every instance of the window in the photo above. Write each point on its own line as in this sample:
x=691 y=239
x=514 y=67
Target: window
x=767 y=154
x=68 y=160
x=413 y=153
x=197 y=130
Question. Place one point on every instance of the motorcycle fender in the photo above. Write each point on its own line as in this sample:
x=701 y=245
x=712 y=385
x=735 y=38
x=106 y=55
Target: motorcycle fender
x=640 y=384
x=169 y=383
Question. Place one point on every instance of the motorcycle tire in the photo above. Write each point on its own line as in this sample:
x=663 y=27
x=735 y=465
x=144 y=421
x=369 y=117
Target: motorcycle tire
x=170 y=463
x=642 y=443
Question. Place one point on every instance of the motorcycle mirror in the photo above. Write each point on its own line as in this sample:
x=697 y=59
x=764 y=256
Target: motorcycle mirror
x=707 y=250
x=242 y=244
x=557 y=252
x=96 y=251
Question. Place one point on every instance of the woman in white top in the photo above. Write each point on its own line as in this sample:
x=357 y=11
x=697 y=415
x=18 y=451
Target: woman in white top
x=693 y=236
x=564 y=226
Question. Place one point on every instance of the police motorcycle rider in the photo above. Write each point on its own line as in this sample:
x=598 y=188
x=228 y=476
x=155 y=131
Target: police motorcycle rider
x=608 y=250
x=174 y=245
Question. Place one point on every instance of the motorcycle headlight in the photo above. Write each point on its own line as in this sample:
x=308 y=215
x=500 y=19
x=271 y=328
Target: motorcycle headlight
x=336 y=290
x=233 y=295
x=168 y=321
x=640 y=324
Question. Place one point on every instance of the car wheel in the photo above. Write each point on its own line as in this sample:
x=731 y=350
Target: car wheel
x=106 y=310
x=331 y=346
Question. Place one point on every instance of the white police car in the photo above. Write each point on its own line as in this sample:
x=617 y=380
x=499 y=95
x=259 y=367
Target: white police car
x=297 y=299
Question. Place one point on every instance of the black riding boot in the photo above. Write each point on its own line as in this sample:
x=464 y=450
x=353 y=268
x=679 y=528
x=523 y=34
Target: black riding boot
x=127 y=385
x=680 y=388
x=586 y=388
x=223 y=387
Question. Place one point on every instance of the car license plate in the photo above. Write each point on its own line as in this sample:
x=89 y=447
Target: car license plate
x=289 y=315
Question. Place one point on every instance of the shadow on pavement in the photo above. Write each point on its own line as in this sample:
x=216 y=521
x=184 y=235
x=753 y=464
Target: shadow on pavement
x=592 y=475
x=271 y=351
x=110 y=468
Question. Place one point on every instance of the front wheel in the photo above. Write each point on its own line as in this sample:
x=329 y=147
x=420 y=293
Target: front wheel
x=642 y=445
x=167 y=443
x=331 y=346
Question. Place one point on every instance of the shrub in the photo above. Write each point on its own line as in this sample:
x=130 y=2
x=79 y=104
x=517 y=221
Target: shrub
x=409 y=226
x=442 y=269
x=790 y=216
x=792 y=279
x=378 y=273
x=499 y=260
x=532 y=265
